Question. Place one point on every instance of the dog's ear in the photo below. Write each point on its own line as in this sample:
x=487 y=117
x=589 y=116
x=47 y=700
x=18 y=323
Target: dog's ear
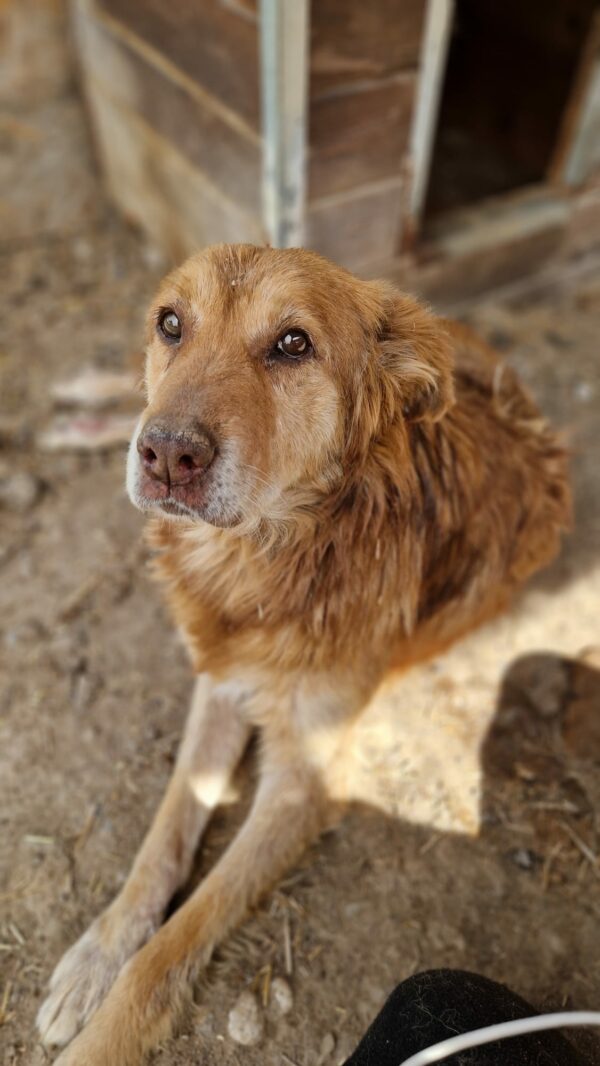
x=415 y=358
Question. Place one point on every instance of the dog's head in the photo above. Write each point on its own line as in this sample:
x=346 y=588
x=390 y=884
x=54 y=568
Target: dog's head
x=271 y=370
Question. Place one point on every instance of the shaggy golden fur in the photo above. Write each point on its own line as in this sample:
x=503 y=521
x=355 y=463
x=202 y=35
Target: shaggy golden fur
x=318 y=521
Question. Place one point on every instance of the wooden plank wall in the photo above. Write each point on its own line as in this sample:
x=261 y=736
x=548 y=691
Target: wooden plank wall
x=189 y=71
x=364 y=60
x=173 y=91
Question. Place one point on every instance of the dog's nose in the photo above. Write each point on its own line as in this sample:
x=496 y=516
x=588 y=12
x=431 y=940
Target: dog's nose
x=175 y=456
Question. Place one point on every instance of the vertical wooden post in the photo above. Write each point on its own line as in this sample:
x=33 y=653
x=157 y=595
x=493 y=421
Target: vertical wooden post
x=434 y=54
x=577 y=152
x=284 y=36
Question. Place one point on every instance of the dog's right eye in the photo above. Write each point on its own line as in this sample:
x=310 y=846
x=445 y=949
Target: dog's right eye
x=292 y=346
x=169 y=325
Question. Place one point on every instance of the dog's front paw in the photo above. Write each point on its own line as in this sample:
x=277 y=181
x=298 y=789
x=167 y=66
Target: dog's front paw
x=93 y=1048
x=85 y=975
x=136 y=1014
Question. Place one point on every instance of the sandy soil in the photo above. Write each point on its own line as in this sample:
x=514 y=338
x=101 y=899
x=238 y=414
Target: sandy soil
x=472 y=837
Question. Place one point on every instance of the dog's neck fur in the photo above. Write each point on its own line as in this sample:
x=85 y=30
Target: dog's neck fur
x=326 y=563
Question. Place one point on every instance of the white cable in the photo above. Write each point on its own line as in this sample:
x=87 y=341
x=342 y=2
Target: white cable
x=519 y=1027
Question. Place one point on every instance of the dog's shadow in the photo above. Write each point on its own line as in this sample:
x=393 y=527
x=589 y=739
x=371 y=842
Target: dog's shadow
x=515 y=895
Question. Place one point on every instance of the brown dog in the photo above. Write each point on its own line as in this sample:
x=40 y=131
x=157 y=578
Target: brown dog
x=341 y=483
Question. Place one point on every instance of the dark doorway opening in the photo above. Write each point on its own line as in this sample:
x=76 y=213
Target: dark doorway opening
x=511 y=67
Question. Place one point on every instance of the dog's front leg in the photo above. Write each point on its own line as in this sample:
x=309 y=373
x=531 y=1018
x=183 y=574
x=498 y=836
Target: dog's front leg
x=287 y=813
x=215 y=736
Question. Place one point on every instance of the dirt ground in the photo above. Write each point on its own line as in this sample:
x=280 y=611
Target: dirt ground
x=473 y=831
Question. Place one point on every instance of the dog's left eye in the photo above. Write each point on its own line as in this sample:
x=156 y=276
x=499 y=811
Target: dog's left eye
x=292 y=345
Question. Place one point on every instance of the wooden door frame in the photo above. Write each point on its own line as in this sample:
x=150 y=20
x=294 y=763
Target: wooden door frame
x=572 y=161
x=439 y=18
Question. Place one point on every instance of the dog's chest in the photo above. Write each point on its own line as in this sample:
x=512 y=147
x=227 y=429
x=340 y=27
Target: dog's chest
x=226 y=579
x=223 y=594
